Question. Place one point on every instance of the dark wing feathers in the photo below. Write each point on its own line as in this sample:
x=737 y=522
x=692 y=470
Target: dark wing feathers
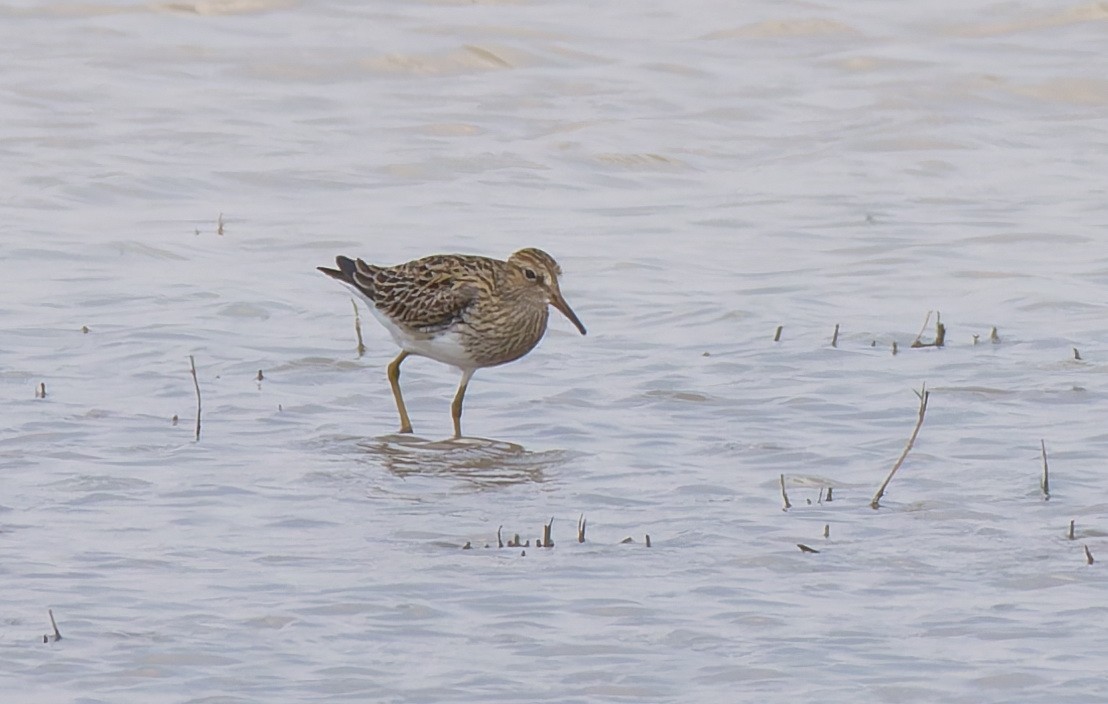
x=426 y=295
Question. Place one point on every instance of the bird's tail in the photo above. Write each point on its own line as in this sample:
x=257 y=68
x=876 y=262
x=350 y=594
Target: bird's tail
x=352 y=273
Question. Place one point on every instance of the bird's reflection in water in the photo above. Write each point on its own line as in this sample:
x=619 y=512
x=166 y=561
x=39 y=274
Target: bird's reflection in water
x=479 y=461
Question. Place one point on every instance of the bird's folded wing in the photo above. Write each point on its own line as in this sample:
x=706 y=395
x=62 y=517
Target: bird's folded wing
x=429 y=300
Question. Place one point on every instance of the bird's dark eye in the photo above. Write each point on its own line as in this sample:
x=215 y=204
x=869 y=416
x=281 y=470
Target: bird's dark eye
x=530 y=274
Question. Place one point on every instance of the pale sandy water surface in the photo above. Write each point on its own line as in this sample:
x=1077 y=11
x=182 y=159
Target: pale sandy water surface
x=704 y=172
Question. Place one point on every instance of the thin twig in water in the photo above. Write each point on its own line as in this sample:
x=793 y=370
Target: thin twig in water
x=1070 y=534
x=581 y=523
x=777 y=335
x=835 y=336
x=785 y=495
x=923 y=328
x=196 y=385
x=827 y=530
x=648 y=540
x=940 y=333
x=219 y=229
x=40 y=390
x=923 y=394
x=1044 y=483
x=57 y=635
x=1088 y=556
x=358 y=327
x=499 y=540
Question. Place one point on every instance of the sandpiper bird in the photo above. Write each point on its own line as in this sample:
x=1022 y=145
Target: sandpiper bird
x=466 y=311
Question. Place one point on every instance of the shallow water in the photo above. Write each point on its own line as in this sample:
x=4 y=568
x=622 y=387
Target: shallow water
x=704 y=173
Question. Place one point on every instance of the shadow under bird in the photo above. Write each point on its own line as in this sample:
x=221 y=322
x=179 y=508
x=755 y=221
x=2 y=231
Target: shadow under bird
x=467 y=311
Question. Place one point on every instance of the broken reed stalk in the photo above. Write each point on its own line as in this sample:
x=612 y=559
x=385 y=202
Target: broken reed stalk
x=805 y=548
x=785 y=495
x=196 y=385
x=777 y=335
x=547 y=540
x=835 y=336
x=1044 y=483
x=1070 y=533
x=1088 y=556
x=940 y=333
x=358 y=327
x=923 y=394
x=648 y=540
x=40 y=390
x=499 y=539
x=923 y=328
x=581 y=523
x=53 y=624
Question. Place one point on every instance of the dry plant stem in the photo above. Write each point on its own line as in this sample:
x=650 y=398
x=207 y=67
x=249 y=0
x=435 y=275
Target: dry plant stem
x=923 y=394
x=785 y=495
x=219 y=229
x=1070 y=534
x=1088 y=556
x=358 y=327
x=940 y=333
x=835 y=336
x=581 y=523
x=777 y=335
x=648 y=540
x=547 y=540
x=196 y=385
x=922 y=329
x=1044 y=483
x=499 y=539
x=54 y=625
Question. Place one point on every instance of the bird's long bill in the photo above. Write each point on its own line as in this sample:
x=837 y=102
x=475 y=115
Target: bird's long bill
x=558 y=302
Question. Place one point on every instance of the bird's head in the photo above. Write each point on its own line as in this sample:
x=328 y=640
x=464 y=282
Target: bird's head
x=538 y=271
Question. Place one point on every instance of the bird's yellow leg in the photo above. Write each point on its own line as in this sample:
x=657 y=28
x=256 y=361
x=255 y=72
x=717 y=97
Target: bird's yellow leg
x=456 y=407
x=394 y=380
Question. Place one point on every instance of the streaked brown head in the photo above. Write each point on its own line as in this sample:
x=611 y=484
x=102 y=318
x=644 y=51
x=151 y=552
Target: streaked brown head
x=539 y=270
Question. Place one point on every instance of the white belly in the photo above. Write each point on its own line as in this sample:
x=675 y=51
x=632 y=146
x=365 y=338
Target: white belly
x=445 y=347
